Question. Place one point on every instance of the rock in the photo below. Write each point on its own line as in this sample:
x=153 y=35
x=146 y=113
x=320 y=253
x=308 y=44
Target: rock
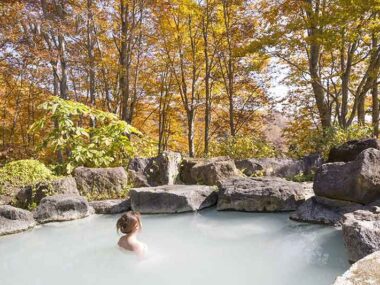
x=140 y=170
x=169 y=167
x=361 y=232
x=59 y=208
x=281 y=167
x=155 y=171
x=366 y=271
x=188 y=164
x=319 y=210
x=5 y=200
x=172 y=198
x=185 y=170
x=14 y=220
x=264 y=194
x=308 y=186
x=33 y=194
x=8 y=193
x=208 y=171
x=103 y=181
x=311 y=163
x=350 y=150
x=116 y=206
x=357 y=181
x=250 y=167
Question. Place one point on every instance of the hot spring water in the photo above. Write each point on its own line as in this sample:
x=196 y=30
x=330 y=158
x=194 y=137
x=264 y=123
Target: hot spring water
x=208 y=247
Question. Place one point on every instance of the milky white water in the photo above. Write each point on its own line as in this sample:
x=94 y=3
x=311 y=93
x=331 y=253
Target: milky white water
x=208 y=247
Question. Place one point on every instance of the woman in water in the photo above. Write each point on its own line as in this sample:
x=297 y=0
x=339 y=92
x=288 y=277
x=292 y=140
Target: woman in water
x=130 y=224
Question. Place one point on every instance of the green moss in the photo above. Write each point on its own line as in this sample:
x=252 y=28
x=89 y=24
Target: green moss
x=24 y=172
x=302 y=177
x=96 y=196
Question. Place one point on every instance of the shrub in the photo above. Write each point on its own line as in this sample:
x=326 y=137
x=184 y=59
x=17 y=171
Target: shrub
x=24 y=172
x=303 y=138
x=77 y=142
x=242 y=147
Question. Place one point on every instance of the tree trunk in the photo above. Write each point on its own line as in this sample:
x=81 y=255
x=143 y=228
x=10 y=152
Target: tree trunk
x=124 y=69
x=375 y=109
x=314 y=32
x=205 y=29
x=361 y=110
x=190 y=131
x=230 y=66
x=62 y=59
x=91 y=57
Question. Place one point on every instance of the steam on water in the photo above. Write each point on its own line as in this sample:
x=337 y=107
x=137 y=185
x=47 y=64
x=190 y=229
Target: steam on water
x=204 y=248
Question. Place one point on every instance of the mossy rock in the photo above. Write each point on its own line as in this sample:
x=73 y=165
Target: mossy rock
x=30 y=196
x=23 y=176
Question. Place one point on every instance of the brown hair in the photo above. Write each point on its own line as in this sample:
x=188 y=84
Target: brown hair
x=129 y=223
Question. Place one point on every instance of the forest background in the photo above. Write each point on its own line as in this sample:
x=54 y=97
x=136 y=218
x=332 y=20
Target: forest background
x=194 y=76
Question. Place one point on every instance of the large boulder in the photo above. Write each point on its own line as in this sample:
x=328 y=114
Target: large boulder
x=188 y=163
x=361 y=232
x=311 y=163
x=350 y=150
x=60 y=208
x=208 y=171
x=34 y=193
x=281 y=167
x=101 y=181
x=366 y=271
x=14 y=220
x=115 y=206
x=155 y=171
x=357 y=181
x=264 y=194
x=172 y=198
x=320 y=210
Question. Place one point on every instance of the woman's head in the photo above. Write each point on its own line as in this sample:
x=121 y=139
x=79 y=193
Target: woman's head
x=129 y=223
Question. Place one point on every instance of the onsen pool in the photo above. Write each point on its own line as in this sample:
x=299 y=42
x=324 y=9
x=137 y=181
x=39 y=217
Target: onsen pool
x=208 y=247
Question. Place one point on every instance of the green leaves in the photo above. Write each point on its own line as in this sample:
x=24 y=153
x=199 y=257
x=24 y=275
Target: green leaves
x=70 y=134
x=23 y=173
x=303 y=138
x=242 y=147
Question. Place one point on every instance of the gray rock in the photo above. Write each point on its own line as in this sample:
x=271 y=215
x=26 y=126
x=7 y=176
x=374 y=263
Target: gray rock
x=140 y=170
x=155 y=171
x=14 y=220
x=308 y=186
x=107 y=181
x=319 y=210
x=361 y=232
x=311 y=163
x=357 y=181
x=185 y=170
x=208 y=171
x=280 y=167
x=366 y=271
x=172 y=198
x=115 y=206
x=5 y=199
x=34 y=193
x=169 y=167
x=188 y=163
x=350 y=150
x=250 y=167
x=264 y=194
x=60 y=208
